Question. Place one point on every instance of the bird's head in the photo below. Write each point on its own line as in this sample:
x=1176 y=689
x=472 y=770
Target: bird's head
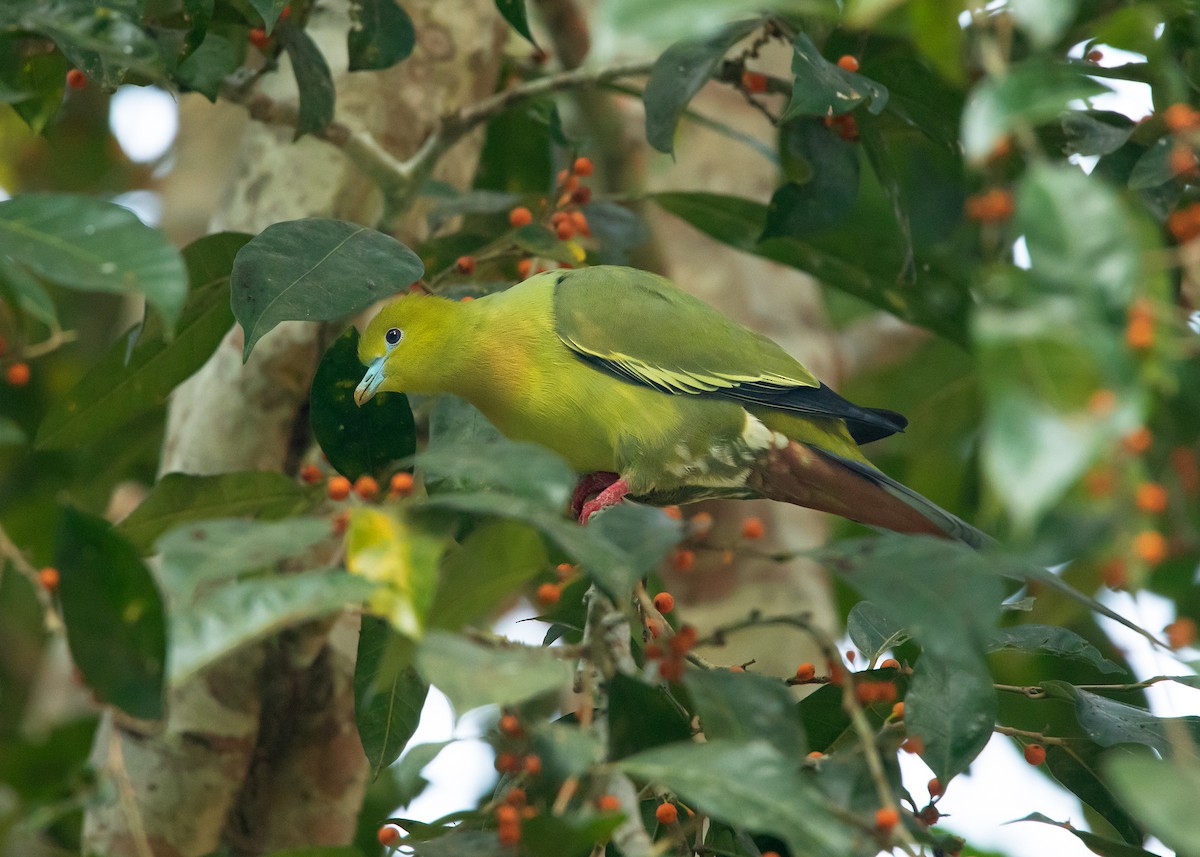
x=408 y=347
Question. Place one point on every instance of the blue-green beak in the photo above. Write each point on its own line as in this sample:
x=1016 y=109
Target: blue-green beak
x=368 y=386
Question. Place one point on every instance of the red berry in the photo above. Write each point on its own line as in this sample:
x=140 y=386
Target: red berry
x=1035 y=754
x=17 y=375
x=388 y=835
x=846 y=62
x=310 y=474
x=805 y=672
x=886 y=819
x=508 y=763
x=532 y=765
x=608 y=803
x=465 y=264
x=582 y=166
x=76 y=79
x=48 y=578
x=520 y=216
x=401 y=484
x=338 y=488
x=259 y=38
x=666 y=813
x=753 y=528
x=366 y=487
x=549 y=593
x=664 y=602
x=511 y=726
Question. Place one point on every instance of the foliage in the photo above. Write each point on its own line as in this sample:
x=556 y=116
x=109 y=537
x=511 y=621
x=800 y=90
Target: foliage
x=1055 y=404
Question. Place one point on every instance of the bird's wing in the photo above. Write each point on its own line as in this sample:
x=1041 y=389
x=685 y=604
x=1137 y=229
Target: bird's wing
x=644 y=329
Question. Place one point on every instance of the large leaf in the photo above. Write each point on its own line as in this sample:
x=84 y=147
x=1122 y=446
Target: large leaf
x=388 y=693
x=1162 y=794
x=523 y=470
x=472 y=674
x=206 y=68
x=139 y=371
x=641 y=716
x=178 y=498
x=749 y=784
x=313 y=80
x=744 y=706
x=952 y=706
x=22 y=640
x=872 y=631
x=1097 y=844
x=822 y=88
x=83 y=243
x=828 y=195
x=401 y=559
x=514 y=12
x=357 y=440
x=1077 y=767
x=679 y=73
x=491 y=564
x=642 y=534
x=382 y=34
x=116 y=627
x=247 y=611
x=1109 y=722
x=36 y=79
x=1050 y=639
x=270 y=10
x=315 y=270
x=105 y=41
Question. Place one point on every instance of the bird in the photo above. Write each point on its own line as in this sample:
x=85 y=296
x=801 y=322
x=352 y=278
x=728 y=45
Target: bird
x=650 y=394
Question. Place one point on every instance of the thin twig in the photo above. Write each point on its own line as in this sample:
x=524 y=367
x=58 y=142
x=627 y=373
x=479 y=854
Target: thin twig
x=1033 y=736
x=128 y=798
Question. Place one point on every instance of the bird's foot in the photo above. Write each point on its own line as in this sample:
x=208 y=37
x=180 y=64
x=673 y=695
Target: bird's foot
x=590 y=484
x=610 y=496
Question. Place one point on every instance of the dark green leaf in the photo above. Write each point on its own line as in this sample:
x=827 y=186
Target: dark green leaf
x=11 y=433
x=83 y=243
x=642 y=534
x=641 y=716
x=872 y=631
x=1097 y=844
x=567 y=750
x=1088 y=134
x=494 y=561
x=381 y=35
x=357 y=440
x=22 y=639
x=181 y=497
x=38 y=76
x=206 y=68
x=744 y=706
x=246 y=611
x=408 y=770
x=951 y=705
x=113 y=613
x=514 y=12
x=1043 y=22
x=1162 y=794
x=21 y=290
x=821 y=202
x=1077 y=767
x=1051 y=639
x=1029 y=93
x=106 y=42
x=388 y=693
x=457 y=666
x=679 y=74
x=128 y=381
x=749 y=784
x=312 y=79
x=570 y=835
x=316 y=270
x=1153 y=168
x=270 y=10
x=1108 y=722
x=821 y=88
x=44 y=766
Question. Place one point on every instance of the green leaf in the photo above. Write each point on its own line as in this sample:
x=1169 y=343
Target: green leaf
x=539 y=241
x=872 y=631
x=11 y=433
x=1043 y=22
x=1088 y=134
x=514 y=12
x=642 y=534
x=749 y=784
x=1097 y=844
x=744 y=706
x=270 y=10
x=1028 y=94
x=523 y=470
x=1077 y=767
x=471 y=674
x=179 y=498
x=39 y=77
x=568 y=835
x=407 y=771
x=23 y=637
x=139 y=371
x=82 y=243
x=380 y=36
x=315 y=270
x=388 y=693
x=313 y=80
x=104 y=41
x=201 y=553
x=206 y=68
x=21 y=290
x=822 y=88
x=357 y=440
x=641 y=716
x=829 y=195
x=113 y=613
x=1108 y=722
x=1053 y=640
x=951 y=705
x=491 y=564
x=1162 y=794
x=679 y=73
x=567 y=750
x=246 y=611
x=1153 y=169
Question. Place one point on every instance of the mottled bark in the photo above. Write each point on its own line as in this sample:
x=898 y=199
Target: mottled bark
x=260 y=752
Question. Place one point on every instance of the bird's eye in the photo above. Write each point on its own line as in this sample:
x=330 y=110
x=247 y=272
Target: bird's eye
x=393 y=336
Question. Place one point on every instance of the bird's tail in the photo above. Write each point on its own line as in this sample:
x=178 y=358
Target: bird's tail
x=817 y=479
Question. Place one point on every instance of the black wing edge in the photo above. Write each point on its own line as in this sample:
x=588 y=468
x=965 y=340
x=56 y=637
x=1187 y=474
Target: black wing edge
x=865 y=424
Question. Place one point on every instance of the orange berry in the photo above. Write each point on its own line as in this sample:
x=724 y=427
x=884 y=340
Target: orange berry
x=1035 y=754
x=341 y=523
x=1137 y=441
x=366 y=487
x=753 y=81
x=806 y=672
x=48 y=578
x=338 y=488
x=815 y=754
x=1151 y=497
x=1186 y=467
x=866 y=692
x=886 y=691
x=401 y=484
x=583 y=166
x=529 y=812
x=994 y=205
x=654 y=651
x=898 y=711
x=666 y=813
x=683 y=640
x=580 y=222
x=524 y=268
x=564 y=571
x=664 y=602
x=1150 y=546
x=1182 y=161
x=76 y=79
x=259 y=38
x=549 y=593
x=929 y=815
x=1180 y=117
x=608 y=803
x=683 y=559
x=753 y=528
x=886 y=818
x=581 y=195
x=1115 y=573
x=17 y=375
x=671 y=669
x=653 y=629
x=1094 y=56
x=1181 y=633
x=837 y=674
x=673 y=512
x=737 y=668
x=935 y=787
x=846 y=62
x=565 y=230
x=1184 y=223
x=1139 y=333
x=465 y=264
x=520 y=216
x=532 y=765
x=515 y=797
x=913 y=744
x=890 y=664
x=1102 y=402
x=510 y=726
x=508 y=763
x=509 y=835
x=310 y=474
x=700 y=524
x=770 y=854
x=507 y=814
x=388 y=835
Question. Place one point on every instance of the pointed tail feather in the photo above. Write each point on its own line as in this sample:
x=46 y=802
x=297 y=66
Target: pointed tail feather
x=811 y=477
